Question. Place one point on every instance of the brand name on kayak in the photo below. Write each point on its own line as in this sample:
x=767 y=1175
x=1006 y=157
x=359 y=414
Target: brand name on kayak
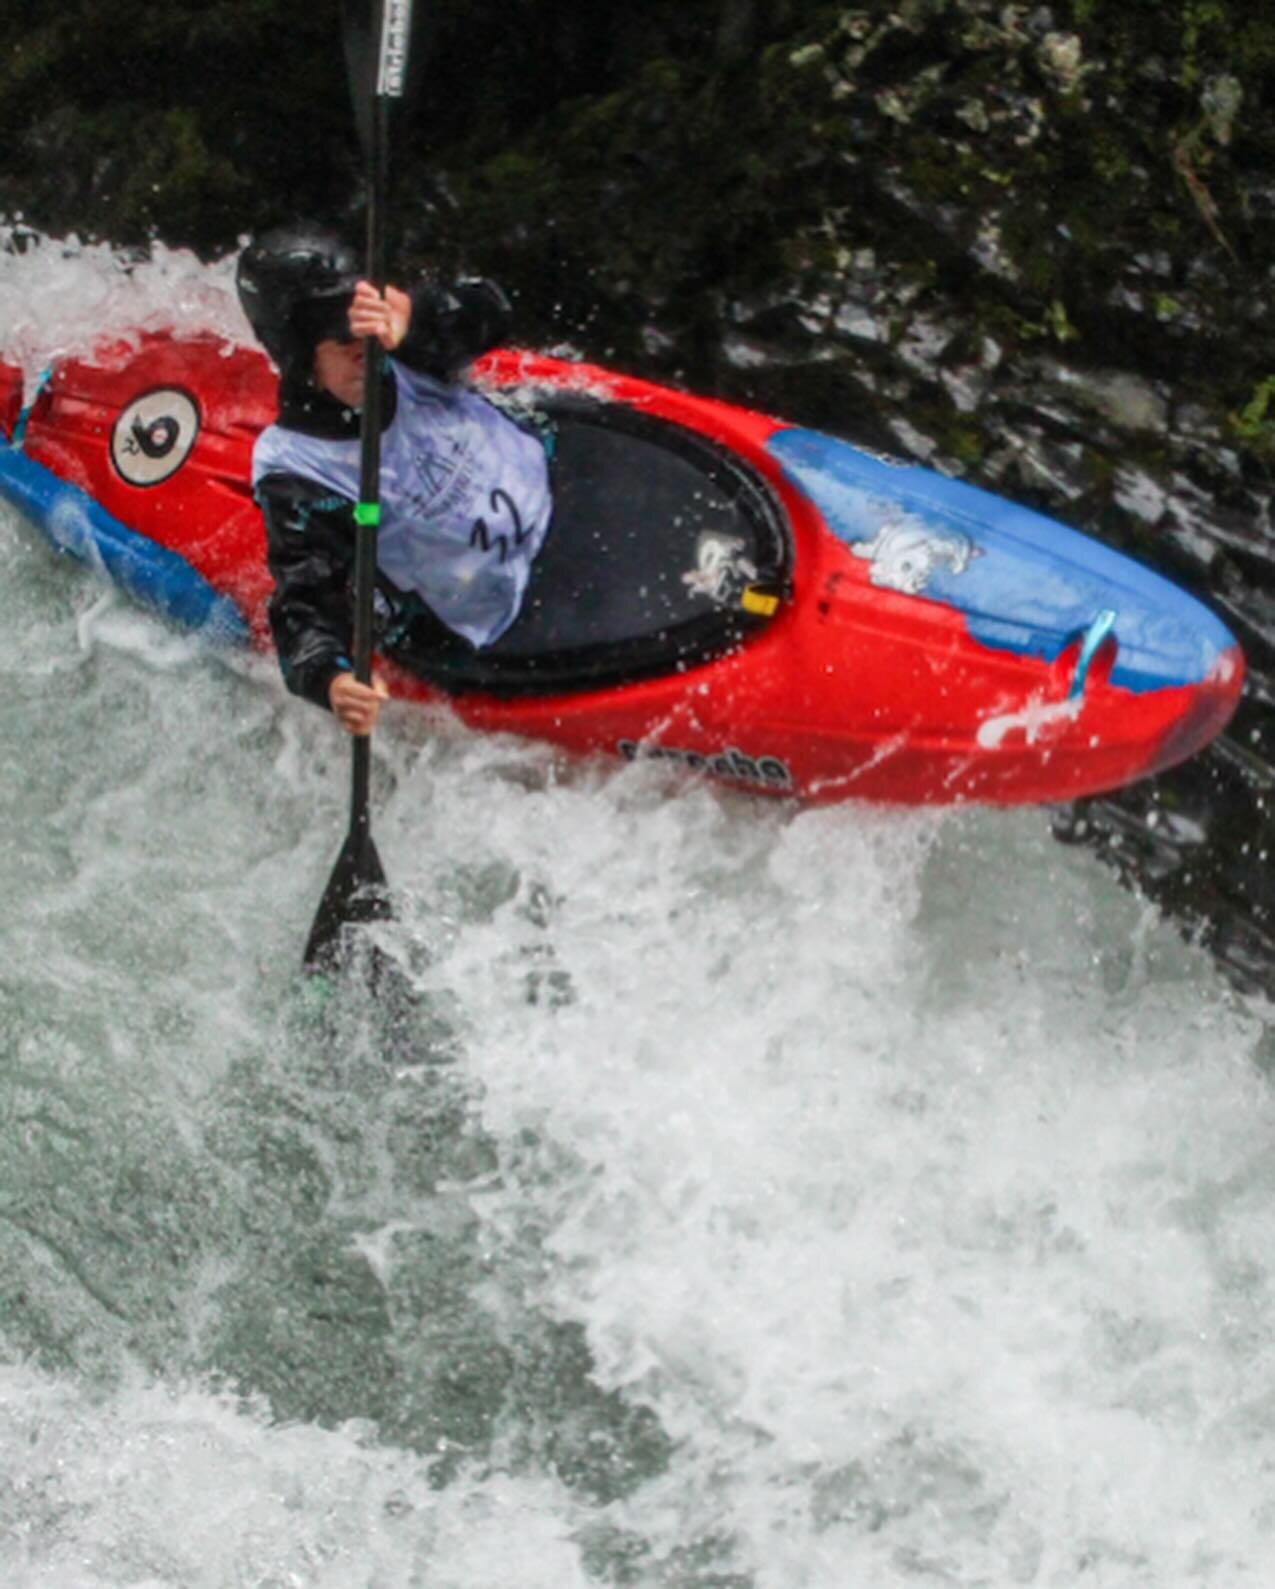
x=767 y=772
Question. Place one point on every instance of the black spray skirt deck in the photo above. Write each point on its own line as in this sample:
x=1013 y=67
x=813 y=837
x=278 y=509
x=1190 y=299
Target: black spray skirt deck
x=657 y=534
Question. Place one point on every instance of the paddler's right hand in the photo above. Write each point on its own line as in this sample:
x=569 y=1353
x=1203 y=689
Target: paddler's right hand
x=384 y=316
x=356 y=706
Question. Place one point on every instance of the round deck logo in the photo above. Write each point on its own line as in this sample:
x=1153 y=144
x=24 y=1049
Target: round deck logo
x=153 y=436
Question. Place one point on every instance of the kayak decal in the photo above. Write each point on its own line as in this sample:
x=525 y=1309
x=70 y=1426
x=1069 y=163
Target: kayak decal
x=721 y=571
x=154 y=435
x=906 y=553
x=1039 y=722
x=764 y=772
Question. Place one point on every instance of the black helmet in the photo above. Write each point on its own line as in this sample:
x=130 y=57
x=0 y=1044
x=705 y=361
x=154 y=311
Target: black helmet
x=295 y=284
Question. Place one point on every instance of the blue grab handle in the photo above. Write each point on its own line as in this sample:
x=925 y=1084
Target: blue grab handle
x=20 y=429
x=1097 y=632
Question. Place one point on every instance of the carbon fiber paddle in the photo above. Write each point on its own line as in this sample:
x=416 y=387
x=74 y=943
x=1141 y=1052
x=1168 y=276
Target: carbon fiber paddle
x=356 y=893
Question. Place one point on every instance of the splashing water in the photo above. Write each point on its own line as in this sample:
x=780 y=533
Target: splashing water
x=62 y=297
x=742 y=1198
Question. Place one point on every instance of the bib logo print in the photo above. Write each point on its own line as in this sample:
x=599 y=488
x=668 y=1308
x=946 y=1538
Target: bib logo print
x=443 y=461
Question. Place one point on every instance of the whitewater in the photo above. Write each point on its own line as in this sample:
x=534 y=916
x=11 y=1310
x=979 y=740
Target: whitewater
x=743 y=1198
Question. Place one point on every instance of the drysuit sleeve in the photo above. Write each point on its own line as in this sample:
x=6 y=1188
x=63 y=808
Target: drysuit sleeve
x=310 y=552
x=452 y=326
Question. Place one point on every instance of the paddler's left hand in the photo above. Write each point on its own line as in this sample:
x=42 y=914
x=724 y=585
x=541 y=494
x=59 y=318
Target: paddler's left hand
x=384 y=317
x=356 y=706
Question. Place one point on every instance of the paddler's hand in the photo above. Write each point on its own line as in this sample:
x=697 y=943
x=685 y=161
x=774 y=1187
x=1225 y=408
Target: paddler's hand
x=356 y=706
x=385 y=318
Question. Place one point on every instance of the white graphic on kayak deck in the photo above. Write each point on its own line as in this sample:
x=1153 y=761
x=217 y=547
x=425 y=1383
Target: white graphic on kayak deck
x=721 y=568
x=905 y=553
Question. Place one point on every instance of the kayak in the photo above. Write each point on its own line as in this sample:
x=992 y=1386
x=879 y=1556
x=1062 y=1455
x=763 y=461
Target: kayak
x=720 y=590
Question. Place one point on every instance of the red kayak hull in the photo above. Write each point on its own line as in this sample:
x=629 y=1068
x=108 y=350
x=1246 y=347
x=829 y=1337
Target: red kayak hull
x=874 y=680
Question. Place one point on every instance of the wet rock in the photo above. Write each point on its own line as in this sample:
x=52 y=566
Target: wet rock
x=895 y=105
x=1060 y=57
x=1190 y=525
x=860 y=322
x=989 y=253
x=944 y=220
x=1220 y=101
x=913 y=442
x=807 y=56
x=984 y=34
x=1197 y=425
x=1251 y=611
x=966 y=387
x=1035 y=466
x=658 y=344
x=1257 y=192
x=923 y=344
x=973 y=113
x=1159 y=263
x=1060 y=471
x=1139 y=496
x=1125 y=400
x=746 y=353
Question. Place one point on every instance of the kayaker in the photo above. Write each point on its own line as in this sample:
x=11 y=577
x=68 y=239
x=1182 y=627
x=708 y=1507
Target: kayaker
x=465 y=494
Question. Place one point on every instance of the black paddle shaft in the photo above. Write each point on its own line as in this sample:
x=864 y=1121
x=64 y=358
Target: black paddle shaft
x=356 y=889
x=367 y=515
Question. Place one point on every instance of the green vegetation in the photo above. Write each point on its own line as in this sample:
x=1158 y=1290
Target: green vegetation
x=1254 y=424
x=617 y=162
x=1203 y=24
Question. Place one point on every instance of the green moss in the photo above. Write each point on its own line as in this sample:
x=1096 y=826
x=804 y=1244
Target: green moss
x=1202 y=22
x=1110 y=156
x=515 y=169
x=1055 y=324
x=1253 y=426
x=1058 y=322
x=965 y=444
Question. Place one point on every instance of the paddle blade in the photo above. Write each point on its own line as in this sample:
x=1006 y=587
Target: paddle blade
x=355 y=896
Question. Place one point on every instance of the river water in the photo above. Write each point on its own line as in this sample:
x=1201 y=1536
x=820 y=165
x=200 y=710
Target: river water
x=742 y=1199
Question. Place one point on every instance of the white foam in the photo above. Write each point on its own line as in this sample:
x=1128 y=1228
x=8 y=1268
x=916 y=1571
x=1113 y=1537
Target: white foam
x=913 y=1178
x=906 y=1226
x=153 y=1487
x=63 y=297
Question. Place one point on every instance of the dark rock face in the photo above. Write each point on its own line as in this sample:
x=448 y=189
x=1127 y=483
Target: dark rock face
x=1027 y=244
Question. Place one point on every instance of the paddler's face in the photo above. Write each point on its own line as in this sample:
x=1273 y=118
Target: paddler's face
x=338 y=369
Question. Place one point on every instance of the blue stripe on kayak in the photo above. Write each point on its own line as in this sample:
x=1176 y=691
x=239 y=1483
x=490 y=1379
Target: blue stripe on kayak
x=1025 y=583
x=75 y=523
